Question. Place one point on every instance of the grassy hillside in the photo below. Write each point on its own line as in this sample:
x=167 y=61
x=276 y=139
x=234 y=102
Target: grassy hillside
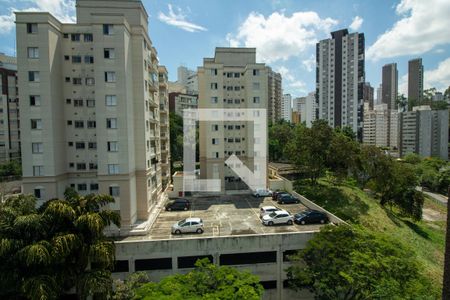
x=358 y=207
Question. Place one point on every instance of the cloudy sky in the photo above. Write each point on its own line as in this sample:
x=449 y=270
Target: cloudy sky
x=284 y=33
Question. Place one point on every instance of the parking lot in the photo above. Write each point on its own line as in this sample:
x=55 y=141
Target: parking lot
x=225 y=216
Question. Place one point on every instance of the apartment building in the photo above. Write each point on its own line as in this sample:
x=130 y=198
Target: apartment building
x=310 y=109
x=380 y=126
x=340 y=77
x=389 y=85
x=188 y=79
x=90 y=107
x=415 y=79
x=286 y=108
x=180 y=101
x=275 y=96
x=164 y=125
x=9 y=110
x=232 y=79
x=424 y=131
x=368 y=95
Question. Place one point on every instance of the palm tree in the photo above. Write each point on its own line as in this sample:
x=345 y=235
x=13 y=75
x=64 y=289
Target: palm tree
x=57 y=247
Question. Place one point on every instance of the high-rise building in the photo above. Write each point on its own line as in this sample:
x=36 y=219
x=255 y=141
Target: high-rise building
x=286 y=108
x=180 y=101
x=310 y=109
x=231 y=79
x=275 y=96
x=380 y=127
x=164 y=125
x=424 y=131
x=90 y=107
x=189 y=79
x=415 y=80
x=368 y=94
x=339 y=80
x=379 y=93
x=9 y=110
x=389 y=85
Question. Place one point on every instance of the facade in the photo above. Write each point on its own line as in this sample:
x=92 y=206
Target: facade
x=380 y=126
x=368 y=94
x=180 y=101
x=310 y=109
x=340 y=77
x=9 y=110
x=424 y=131
x=164 y=125
x=189 y=79
x=90 y=105
x=389 y=85
x=286 y=108
x=275 y=96
x=232 y=79
x=415 y=80
x=379 y=93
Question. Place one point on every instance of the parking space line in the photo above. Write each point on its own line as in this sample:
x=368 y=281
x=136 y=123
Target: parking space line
x=257 y=215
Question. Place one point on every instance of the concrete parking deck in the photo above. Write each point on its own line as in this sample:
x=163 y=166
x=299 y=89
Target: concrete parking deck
x=229 y=215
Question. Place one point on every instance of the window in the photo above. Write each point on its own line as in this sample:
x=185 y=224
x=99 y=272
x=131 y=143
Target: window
x=69 y=122
x=214 y=86
x=113 y=169
x=248 y=258
x=76 y=81
x=36 y=124
x=67 y=79
x=214 y=99
x=111 y=100
x=216 y=154
x=75 y=37
x=66 y=57
x=94 y=187
x=35 y=100
x=32 y=27
x=237 y=101
x=113 y=146
x=110 y=76
x=215 y=141
x=81 y=166
x=109 y=53
x=107 y=29
x=66 y=35
x=38 y=170
x=90 y=103
x=37 y=147
x=33 y=52
x=78 y=102
x=214 y=72
x=237 y=140
x=79 y=124
x=90 y=81
x=82 y=186
x=33 y=76
x=255 y=86
x=237 y=127
x=255 y=99
x=92 y=145
x=111 y=123
x=80 y=145
x=76 y=59
x=215 y=127
x=38 y=193
x=88 y=37
x=153 y=264
x=237 y=75
x=255 y=72
x=237 y=88
x=88 y=59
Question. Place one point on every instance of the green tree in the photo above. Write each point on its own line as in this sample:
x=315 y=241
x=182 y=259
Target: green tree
x=11 y=168
x=343 y=151
x=176 y=137
x=45 y=252
x=342 y=262
x=206 y=281
x=279 y=135
x=125 y=290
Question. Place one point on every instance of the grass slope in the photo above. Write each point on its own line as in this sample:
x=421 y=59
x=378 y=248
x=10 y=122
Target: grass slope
x=355 y=206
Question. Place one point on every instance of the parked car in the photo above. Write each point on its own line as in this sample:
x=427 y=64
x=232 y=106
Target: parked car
x=278 y=217
x=262 y=193
x=277 y=194
x=287 y=199
x=188 y=225
x=311 y=217
x=265 y=210
x=178 y=204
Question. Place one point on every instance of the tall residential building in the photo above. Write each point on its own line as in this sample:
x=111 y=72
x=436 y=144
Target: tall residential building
x=286 y=108
x=9 y=110
x=379 y=93
x=189 y=79
x=381 y=127
x=232 y=79
x=310 y=109
x=164 y=125
x=368 y=94
x=339 y=80
x=90 y=105
x=389 y=85
x=180 y=101
x=424 y=131
x=415 y=79
x=299 y=107
x=275 y=95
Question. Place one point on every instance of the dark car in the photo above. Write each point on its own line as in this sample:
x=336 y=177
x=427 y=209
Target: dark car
x=311 y=217
x=287 y=199
x=277 y=194
x=178 y=204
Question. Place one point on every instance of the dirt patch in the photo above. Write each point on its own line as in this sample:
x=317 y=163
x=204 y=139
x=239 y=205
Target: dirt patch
x=432 y=215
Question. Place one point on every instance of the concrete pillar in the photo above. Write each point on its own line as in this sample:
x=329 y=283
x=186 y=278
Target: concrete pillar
x=174 y=265
x=279 y=273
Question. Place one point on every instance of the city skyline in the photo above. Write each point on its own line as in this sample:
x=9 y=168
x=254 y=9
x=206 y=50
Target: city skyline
x=261 y=24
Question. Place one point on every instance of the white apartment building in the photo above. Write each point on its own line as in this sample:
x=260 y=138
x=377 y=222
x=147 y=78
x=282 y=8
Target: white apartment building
x=310 y=109
x=9 y=110
x=380 y=126
x=189 y=79
x=286 y=108
x=339 y=80
x=232 y=79
x=424 y=131
x=275 y=96
x=164 y=125
x=90 y=106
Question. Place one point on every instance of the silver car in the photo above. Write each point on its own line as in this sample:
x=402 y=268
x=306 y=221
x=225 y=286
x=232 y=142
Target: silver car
x=188 y=225
x=265 y=210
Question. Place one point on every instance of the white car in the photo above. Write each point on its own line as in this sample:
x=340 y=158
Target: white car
x=278 y=217
x=262 y=193
x=266 y=210
x=188 y=225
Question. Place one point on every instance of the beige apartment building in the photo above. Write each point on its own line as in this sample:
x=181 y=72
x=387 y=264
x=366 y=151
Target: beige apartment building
x=164 y=125
x=380 y=126
x=275 y=96
x=9 y=110
x=232 y=79
x=90 y=107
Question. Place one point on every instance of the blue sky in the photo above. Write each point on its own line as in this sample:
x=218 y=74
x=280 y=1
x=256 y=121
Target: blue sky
x=284 y=32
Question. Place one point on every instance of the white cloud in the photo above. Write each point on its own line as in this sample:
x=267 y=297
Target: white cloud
x=439 y=77
x=356 y=23
x=279 y=37
x=403 y=85
x=309 y=63
x=423 y=26
x=285 y=74
x=7 y=23
x=297 y=87
x=178 y=19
